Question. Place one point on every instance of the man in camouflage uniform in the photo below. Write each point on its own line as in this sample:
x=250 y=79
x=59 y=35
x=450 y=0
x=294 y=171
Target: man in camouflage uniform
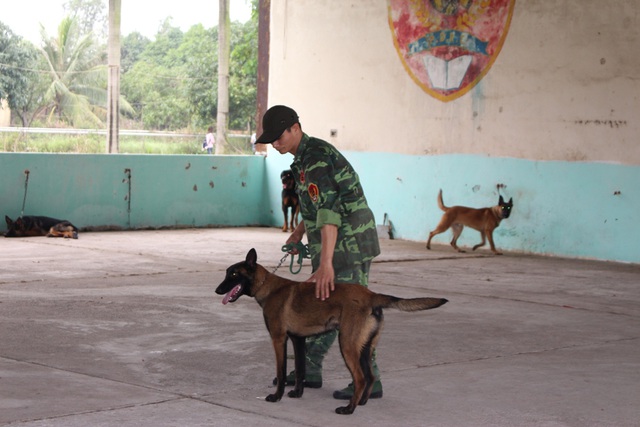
x=340 y=227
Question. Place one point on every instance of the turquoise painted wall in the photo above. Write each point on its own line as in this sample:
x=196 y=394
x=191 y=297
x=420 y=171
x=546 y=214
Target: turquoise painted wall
x=571 y=209
x=93 y=191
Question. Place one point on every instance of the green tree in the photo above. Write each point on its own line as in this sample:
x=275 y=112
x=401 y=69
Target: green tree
x=133 y=45
x=200 y=50
x=18 y=61
x=154 y=81
x=77 y=76
x=244 y=74
x=172 y=80
x=91 y=16
x=157 y=95
x=163 y=50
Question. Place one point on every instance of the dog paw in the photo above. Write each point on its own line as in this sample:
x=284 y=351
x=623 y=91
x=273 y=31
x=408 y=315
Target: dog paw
x=295 y=393
x=272 y=398
x=344 y=410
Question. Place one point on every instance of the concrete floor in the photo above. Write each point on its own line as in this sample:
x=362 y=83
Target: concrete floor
x=124 y=329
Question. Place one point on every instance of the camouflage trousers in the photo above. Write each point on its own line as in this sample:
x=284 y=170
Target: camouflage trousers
x=317 y=346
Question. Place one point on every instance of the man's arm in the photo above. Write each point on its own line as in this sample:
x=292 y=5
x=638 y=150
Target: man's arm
x=324 y=275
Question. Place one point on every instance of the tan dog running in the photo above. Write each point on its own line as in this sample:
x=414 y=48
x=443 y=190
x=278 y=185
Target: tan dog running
x=485 y=220
x=291 y=310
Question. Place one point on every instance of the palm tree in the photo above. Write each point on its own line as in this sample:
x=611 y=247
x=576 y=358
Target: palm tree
x=77 y=91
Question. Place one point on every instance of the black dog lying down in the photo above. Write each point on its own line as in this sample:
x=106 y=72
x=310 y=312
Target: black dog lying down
x=28 y=225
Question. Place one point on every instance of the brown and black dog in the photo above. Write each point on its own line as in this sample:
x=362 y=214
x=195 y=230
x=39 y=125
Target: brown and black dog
x=485 y=220
x=27 y=226
x=290 y=200
x=291 y=310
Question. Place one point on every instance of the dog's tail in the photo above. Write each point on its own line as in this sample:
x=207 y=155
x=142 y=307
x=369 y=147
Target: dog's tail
x=440 y=202
x=407 y=304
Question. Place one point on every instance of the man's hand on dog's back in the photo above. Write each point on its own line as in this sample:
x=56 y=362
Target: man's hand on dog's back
x=324 y=278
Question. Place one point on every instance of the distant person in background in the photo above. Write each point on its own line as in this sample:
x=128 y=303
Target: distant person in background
x=253 y=143
x=209 y=141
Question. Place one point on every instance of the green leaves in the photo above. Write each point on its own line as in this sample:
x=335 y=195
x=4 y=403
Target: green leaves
x=169 y=83
x=172 y=82
x=77 y=76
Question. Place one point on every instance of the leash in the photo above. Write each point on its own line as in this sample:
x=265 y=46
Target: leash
x=274 y=270
x=277 y=266
x=303 y=252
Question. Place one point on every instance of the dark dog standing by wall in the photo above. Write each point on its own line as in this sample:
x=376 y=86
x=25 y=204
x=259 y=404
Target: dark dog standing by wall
x=485 y=220
x=27 y=226
x=289 y=200
x=354 y=310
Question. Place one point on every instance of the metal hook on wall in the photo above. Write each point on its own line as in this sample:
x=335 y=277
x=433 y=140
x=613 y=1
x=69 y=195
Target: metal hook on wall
x=127 y=172
x=26 y=187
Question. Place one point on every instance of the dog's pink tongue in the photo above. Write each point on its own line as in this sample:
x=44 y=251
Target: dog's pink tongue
x=231 y=294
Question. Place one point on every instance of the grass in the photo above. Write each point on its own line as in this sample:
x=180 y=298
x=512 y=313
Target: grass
x=96 y=144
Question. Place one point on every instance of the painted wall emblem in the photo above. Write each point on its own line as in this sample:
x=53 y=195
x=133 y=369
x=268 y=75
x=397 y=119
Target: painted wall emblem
x=448 y=46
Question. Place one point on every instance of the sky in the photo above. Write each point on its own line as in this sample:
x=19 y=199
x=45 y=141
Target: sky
x=23 y=17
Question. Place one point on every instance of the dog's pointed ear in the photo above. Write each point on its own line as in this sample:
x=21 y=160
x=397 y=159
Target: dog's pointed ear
x=501 y=201
x=252 y=258
x=8 y=220
x=511 y=201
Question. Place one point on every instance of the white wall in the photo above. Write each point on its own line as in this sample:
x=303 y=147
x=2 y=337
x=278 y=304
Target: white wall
x=564 y=87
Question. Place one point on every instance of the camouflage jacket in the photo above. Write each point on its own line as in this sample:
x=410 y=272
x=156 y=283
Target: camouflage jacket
x=330 y=193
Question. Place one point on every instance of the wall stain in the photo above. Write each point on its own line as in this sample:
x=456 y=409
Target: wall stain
x=613 y=124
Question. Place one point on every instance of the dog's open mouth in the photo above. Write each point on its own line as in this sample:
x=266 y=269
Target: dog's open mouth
x=233 y=294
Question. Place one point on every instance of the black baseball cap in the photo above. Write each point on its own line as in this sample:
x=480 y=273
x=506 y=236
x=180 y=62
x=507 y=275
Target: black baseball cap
x=276 y=120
